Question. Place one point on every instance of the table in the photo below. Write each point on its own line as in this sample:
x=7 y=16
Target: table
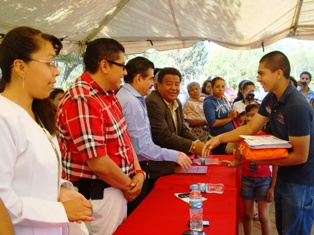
x=163 y=213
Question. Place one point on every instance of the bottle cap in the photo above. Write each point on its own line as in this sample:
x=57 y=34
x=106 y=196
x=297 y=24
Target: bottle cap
x=193 y=186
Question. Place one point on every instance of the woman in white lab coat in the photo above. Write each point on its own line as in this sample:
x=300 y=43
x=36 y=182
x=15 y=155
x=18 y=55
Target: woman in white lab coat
x=31 y=188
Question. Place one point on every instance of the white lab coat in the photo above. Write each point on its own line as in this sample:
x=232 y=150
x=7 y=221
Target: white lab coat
x=29 y=174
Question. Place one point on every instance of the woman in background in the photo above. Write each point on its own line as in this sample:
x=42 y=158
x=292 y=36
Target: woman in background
x=206 y=88
x=240 y=91
x=32 y=190
x=194 y=114
x=56 y=95
x=218 y=112
x=248 y=88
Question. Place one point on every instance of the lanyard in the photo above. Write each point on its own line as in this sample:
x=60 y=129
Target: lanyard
x=55 y=150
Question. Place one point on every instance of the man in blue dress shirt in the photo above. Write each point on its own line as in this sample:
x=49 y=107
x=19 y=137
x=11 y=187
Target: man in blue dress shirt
x=138 y=84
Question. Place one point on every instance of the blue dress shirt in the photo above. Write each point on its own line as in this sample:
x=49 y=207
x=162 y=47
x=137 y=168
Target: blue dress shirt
x=135 y=113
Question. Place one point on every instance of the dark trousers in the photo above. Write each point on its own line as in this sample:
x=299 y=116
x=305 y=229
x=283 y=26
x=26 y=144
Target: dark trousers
x=220 y=149
x=133 y=204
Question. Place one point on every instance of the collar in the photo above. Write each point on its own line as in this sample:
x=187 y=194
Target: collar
x=172 y=107
x=94 y=85
x=131 y=89
x=201 y=99
x=286 y=94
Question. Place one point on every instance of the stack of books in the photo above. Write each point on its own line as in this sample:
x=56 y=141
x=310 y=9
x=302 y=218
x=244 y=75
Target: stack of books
x=265 y=142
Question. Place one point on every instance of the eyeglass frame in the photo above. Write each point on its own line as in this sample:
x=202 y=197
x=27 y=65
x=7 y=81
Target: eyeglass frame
x=52 y=63
x=116 y=63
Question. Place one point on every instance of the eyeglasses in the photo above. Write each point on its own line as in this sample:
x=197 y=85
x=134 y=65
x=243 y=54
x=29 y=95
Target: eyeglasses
x=52 y=63
x=116 y=63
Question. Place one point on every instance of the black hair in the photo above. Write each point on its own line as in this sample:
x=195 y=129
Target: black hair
x=292 y=79
x=101 y=49
x=55 y=92
x=21 y=43
x=277 y=60
x=247 y=83
x=249 y=107
x=241 y=114
x=240 y=95
x=156 y=70
x=168 y=70
x=137 y=65
x=217 y=79
x=204 y=86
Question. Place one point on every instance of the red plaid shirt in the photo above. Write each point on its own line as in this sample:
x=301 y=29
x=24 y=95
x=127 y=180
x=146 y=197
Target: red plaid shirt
x=91 y=124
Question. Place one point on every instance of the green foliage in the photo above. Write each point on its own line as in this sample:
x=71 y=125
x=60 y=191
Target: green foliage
x=70 y=66
x=208 y=59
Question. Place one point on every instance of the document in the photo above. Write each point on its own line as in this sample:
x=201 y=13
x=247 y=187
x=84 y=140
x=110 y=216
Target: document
x=265 y=141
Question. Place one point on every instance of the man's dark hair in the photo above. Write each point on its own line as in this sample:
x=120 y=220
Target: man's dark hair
x=277 y=60
x=137 y=65
x=168 y=70
x=101 y=49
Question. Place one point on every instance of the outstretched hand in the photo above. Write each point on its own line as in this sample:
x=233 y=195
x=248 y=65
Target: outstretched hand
x=227 y=163
x=183 y=160
x=209 y=145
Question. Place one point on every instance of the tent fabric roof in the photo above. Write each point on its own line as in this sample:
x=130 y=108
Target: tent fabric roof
x=163 y=24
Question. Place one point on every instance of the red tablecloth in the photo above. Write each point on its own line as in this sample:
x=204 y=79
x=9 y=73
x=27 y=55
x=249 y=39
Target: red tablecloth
x=163 y=213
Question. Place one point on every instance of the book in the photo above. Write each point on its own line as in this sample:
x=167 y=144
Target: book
x=265 y=141
x=191 y=170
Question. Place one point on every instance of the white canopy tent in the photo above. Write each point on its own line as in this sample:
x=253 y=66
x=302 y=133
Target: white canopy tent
x=163 y=24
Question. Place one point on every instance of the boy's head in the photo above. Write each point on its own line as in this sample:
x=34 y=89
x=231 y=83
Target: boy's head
x=241 y=119
x=250 y=111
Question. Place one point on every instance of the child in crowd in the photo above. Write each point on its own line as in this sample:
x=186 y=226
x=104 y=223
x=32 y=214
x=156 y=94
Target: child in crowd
x=258 y=183
x=240 y=121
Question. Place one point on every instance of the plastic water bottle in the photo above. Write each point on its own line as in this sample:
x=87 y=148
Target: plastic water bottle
x=196 y=208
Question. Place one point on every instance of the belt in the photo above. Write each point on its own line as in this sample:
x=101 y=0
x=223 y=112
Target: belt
x=91 y=188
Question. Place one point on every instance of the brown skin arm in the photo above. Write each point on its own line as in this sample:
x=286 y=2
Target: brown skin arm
x=108 y=171
x=6 y=227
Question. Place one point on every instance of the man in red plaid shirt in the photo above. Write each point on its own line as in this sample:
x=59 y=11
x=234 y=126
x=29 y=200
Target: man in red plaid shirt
x=96 y=148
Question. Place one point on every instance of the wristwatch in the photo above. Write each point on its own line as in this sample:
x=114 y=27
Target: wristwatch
x=141 y=172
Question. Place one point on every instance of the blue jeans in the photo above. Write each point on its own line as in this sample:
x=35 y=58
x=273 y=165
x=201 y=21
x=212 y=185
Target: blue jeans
x=294 y=208
x=255 y=188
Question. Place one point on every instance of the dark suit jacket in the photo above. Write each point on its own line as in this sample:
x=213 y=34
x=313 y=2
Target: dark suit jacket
x=164 y=132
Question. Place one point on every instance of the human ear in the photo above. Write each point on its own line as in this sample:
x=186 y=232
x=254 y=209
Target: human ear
x=19 y=67
x=279 y=73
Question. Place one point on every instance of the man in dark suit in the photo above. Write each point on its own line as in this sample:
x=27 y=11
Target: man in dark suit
x=166 y=120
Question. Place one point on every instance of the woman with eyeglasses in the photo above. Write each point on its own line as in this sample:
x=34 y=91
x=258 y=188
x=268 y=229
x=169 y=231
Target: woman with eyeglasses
x=31 y=188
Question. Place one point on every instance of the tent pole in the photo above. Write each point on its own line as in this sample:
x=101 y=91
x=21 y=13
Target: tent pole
x=295 y=19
